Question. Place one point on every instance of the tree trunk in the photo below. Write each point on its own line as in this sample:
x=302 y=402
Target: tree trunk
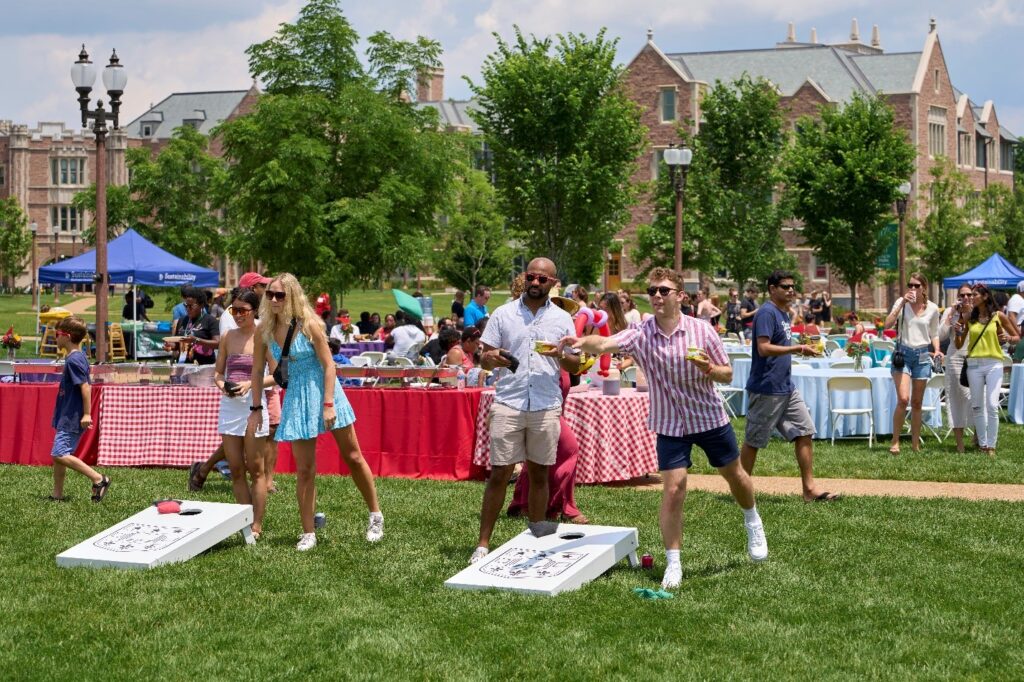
x=853 y=297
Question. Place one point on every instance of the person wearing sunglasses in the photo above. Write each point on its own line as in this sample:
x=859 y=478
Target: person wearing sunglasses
x=917 y=335
x=957 y=397
x=683 y=358
x=524 y=418
x=201 y=330
x=774 y=403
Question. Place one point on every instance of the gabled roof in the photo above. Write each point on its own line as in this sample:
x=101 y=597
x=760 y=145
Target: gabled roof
x=453 y=114
x=207 y=109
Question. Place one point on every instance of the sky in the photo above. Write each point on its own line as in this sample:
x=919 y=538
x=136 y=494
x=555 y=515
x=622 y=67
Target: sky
x=196 y=45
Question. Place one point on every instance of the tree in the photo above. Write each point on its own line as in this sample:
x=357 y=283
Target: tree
x=181 y=191
x=939 y=243
x=475 y=245
x=334 y=177
x=565 y=138
x=1000 y=213
x=123 y=211
x=731 y=219
x=843 y=175
x=15 y=239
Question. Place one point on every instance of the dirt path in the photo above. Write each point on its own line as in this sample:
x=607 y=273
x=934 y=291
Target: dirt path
x=782 y=485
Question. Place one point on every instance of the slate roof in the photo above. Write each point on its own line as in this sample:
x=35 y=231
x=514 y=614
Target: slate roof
x=453 y=113
x=210 y=108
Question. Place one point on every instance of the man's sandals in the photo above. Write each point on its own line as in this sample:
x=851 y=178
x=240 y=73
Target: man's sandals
x=99 y=490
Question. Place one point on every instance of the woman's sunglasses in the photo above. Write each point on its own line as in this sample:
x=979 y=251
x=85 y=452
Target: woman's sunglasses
x=914 y=285
x=239 y=311
x=275 y=295
x=540 y=279
x=651 y=291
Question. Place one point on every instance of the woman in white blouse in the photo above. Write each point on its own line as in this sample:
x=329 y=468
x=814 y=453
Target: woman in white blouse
x=957 y=396
x=917 y=334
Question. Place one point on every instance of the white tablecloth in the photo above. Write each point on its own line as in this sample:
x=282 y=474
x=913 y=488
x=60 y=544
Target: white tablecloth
x=741 y=372
x=1015 y=404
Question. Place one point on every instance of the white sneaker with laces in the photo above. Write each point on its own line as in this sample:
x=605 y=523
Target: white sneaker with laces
x=757 y=544
x=673 y=576
x=375 y=530
x=478 y=554
x=307 y=541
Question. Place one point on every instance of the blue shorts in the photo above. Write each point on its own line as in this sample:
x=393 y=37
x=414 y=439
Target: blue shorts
x=65 y=443
x=917 y=362
x=718 y=444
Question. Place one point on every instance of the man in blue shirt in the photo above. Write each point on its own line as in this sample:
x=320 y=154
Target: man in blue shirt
x=774 y=402
x=524 y=419
x=477 y=308
x=179 y=311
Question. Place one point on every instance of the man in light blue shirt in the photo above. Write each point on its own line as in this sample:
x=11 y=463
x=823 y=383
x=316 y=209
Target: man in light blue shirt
x=477 y=308
x=524 y=419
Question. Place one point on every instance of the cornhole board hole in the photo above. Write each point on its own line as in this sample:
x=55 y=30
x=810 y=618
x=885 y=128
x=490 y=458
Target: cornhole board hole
x=565 y=560
x=150 y=539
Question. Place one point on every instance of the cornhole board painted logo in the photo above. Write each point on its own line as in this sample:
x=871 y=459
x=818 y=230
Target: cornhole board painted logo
x=142 y=537
x=522 y=563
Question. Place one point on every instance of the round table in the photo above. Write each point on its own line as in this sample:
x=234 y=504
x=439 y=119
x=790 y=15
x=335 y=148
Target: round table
x=1015 y=400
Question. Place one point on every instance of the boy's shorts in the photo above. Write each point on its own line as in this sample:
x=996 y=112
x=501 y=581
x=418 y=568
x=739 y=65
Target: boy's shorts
x=718 y=444
x=65 y=443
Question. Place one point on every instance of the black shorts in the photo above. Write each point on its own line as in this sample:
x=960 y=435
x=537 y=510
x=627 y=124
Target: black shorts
x=718 y=444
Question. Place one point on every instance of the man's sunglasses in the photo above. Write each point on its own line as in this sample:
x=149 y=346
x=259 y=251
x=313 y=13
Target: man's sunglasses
x=651 y=291
x=787 y=287
x=540 y=279
x=275 y=295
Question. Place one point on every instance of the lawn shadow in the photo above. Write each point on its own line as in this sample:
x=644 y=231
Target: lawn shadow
x=716 y=569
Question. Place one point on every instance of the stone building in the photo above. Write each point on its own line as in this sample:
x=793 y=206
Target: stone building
x=938 y=118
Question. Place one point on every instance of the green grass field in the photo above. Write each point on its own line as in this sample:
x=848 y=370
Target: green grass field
x=863 y=588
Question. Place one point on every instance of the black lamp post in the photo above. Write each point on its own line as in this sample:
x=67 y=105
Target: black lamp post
x=83 y=75
x=678 y=162
x=901 y=212
x=34 y=227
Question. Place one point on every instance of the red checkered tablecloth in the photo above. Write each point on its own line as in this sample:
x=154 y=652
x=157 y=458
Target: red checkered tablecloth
x=158 y=425
x=615 y=443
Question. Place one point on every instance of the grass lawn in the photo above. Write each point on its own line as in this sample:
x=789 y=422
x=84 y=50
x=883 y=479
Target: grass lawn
x=864 y=588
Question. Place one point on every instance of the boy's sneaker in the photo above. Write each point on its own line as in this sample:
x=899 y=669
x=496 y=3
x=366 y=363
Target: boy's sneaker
x=375 y=531
x=757 y=544
x=478 y=554
x=673 y=576
x=307 y=541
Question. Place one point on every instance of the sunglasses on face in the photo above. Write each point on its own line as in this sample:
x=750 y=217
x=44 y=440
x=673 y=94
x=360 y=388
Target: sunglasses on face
x=663 y=291
x=787 y=287
x=191 y=305
x=239 y=311
x=963 y=295
x=276 y=295
x=914 y=285
x=540 y=279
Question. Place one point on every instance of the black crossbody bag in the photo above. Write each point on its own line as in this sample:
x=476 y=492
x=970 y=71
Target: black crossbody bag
x=281 y=373
x=899 y=360
x=963 y=370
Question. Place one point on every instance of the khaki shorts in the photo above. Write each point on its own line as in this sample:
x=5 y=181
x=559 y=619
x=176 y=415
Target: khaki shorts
x=516 y=435
x=786 y=412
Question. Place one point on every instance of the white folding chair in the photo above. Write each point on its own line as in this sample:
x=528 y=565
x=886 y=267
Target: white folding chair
x=843 y=363
x=737 y=356
x=629 y=374
x=733 y=336
x=838 y=354
x=1004 y=388
x=428 y=361
x=727 y=392
x=883 y=348
x=375 y=357
x=936 y=383
x=851 y=385
x=831 y=347
x=360 y=361
x=402 y=361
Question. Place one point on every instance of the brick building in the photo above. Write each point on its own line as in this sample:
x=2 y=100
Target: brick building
x=939 y=119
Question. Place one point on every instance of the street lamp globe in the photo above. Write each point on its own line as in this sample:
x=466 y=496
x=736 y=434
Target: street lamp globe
x=114 y=76
x=83 y=72
x=905 y=188
x=685 y=157
x=672 y=156
x=34 y=227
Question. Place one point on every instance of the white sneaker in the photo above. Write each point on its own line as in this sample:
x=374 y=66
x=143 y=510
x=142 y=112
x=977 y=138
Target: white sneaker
x=757 y=544
x=673 y=576
x=307 y=541
x=375 y=531
x=478 y=554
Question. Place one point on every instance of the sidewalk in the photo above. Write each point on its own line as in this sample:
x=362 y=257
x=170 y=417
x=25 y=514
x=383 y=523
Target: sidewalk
x=784 y=485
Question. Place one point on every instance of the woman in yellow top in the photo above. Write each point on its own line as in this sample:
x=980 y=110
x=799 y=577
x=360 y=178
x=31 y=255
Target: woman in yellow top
x=986 y=329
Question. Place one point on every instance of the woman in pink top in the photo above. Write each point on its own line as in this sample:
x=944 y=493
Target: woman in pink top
x=464 y=354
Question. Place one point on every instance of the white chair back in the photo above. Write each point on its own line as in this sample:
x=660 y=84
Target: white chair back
x=831 y=347
x=375 y=357
x=838 y=354
x=882 y=345
x=737 y=356
x=630 y=374
x=844 y=363
x=402 y=361
x=851 y=385
x=428 y=361
x=6 y=369
x=360 y=361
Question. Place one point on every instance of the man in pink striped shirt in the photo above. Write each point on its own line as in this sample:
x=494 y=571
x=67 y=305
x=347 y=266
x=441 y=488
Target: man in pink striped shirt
x=681 y=357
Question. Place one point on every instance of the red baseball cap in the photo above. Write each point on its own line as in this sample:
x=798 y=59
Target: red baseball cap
x=251 y=279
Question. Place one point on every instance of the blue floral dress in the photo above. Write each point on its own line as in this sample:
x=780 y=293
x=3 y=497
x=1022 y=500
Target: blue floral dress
x=302 y=413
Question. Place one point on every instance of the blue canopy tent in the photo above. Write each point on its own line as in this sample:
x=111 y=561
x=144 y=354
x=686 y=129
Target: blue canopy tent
x=130 y=260
x=995 y=272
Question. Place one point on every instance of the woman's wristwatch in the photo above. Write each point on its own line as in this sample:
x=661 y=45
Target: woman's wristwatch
x=255 y=408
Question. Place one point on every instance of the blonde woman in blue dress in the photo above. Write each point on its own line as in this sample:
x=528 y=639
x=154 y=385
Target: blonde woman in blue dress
x=306 y=412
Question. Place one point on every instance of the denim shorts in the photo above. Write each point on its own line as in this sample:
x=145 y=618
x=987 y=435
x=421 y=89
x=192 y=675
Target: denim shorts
x=718 y=444
x=65 y=443
x=917 y=362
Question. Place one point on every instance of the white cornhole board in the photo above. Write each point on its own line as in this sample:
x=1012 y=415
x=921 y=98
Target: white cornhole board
x=565 y=560
x=150 y=539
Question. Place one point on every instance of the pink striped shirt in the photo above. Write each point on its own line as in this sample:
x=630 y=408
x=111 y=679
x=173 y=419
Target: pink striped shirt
x=683 y=399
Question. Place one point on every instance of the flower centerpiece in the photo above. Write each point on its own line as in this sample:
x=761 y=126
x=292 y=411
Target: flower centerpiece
x=879 y=326
x=857 y=350
x=11 y=341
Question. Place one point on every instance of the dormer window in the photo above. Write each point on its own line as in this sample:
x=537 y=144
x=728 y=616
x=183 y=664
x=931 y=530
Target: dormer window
x=147 y=130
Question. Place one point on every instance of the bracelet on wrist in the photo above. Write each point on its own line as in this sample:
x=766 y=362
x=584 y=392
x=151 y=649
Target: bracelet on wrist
x=328 y=404
x=255 y=408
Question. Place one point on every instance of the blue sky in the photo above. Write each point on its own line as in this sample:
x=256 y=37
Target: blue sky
x=199 y=44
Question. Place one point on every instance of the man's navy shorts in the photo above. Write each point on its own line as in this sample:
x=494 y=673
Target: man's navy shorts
x=718 y=444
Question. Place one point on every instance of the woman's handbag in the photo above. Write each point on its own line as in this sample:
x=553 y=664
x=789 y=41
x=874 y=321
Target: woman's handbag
x=963 y=370
x=899 y=360
x=281 y=373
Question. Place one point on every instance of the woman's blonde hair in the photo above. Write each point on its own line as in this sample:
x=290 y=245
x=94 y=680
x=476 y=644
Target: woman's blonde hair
x=296 y=305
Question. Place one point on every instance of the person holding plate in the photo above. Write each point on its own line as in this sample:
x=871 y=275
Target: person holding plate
x=683 y=358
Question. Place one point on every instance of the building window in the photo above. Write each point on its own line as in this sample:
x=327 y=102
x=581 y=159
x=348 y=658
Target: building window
x=935 y=79
x=657 y=161
x=992 y=153
x=936 y=131
x=3 y=175
x=964 y=150
x=1007 y=155
x=64 y=218
x=613 y=266
x=818 y=270
x=67 y=171
x=147 y=131
x=981 y=156
x=668 y=105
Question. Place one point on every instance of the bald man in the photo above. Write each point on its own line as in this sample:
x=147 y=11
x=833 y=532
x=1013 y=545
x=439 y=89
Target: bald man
x=524 y=419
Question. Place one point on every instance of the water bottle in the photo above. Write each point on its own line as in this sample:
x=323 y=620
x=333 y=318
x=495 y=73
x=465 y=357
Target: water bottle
x=460 y=379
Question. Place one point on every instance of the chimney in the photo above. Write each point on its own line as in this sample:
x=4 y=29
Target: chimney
x=791 y=34
x=931 y=25
x=814 y=36
x=854 y=32
x=650 y=34
x=876 y=40
x=430 y=86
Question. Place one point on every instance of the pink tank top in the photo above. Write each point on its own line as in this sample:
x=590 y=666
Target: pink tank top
x=239 y=367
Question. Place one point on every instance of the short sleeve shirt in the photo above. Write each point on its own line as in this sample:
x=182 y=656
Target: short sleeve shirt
x=67 y=413
x=534 y=386
x=1015 y=308
x=206 y=327
x=748 y=305
x=458 y=309
x=474 y=313
x=771 y=375
x=406 y=338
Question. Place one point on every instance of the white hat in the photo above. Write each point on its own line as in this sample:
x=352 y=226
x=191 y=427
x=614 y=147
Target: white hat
x=1020 y=287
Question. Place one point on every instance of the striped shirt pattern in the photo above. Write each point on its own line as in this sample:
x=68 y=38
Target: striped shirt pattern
x=683 y=400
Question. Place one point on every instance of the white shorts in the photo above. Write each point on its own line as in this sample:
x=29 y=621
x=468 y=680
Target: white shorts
x=233 y=418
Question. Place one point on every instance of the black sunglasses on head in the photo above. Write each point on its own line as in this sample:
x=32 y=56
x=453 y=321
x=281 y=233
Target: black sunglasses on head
x=275 y=295
x=651 y=291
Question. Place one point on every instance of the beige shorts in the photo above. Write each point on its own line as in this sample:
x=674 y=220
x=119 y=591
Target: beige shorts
x=516 y=435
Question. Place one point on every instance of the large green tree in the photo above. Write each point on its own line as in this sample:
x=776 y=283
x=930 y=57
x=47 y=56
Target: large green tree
x=565 y=138
x=939 y=243
x=732 y=216
x=15 y=239
x=1000 y=216
x=334 y=177
x=123 y=211
x=843 y=175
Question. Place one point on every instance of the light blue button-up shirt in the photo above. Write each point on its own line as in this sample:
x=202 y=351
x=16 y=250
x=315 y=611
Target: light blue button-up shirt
x=534 y=387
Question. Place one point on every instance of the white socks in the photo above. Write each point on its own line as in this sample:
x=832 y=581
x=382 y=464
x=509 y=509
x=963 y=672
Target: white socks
x=672 y=556
x=376 y=515
x=750 y=516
